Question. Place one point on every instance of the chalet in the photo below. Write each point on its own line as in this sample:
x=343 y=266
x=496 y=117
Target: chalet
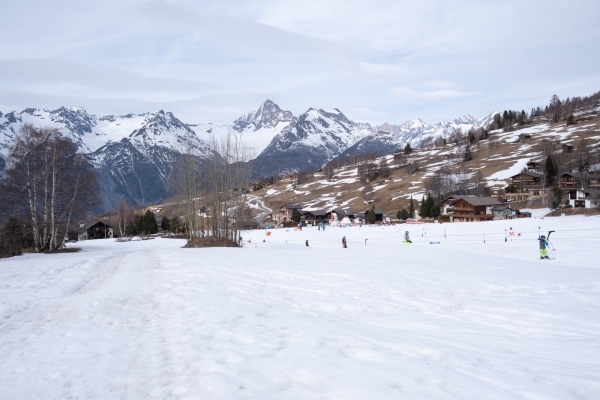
x=573 y=181
x=524 y=136
x=584 y=198
x=527 y=180
x=568 y=148
x=501 y=211
x=524 y=214
x=378 y=215
x=469 y=209
x=341 y=213
x=313 y=216
x=533 y=166
x=91 y=230
x=446 y=204
x=568 y=181
x=285 y=212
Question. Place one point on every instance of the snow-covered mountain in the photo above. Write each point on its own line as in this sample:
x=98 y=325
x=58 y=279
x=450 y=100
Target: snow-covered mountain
x=387 y=138
x=135 y=153
x=256 y=128
x=311 y=140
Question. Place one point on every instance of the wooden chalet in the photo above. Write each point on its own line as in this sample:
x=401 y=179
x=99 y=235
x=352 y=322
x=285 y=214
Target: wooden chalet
x=313 y=216
x=91 y=230
x=448 y=202
x=341 y=213
x=469 y=209
x=527 y=180
x=533 y=166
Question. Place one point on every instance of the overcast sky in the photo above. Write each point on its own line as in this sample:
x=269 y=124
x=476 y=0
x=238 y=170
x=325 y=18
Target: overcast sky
x=376 y=60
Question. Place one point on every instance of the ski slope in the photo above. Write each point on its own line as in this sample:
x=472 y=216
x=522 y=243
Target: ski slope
x=462 y=319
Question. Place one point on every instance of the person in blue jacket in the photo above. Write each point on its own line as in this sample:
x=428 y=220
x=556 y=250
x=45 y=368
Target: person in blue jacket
x=543 y=245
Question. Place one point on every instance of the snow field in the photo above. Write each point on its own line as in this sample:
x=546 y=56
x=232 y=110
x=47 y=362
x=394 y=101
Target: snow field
x=277 y=320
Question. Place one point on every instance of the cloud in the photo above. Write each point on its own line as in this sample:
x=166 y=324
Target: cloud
x=59 y=76
x=404 y=92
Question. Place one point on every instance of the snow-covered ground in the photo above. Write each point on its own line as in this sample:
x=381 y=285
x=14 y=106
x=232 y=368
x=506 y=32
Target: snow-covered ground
x=462 y=319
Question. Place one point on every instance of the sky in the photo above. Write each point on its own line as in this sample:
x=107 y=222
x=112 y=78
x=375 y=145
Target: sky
x=376 y=61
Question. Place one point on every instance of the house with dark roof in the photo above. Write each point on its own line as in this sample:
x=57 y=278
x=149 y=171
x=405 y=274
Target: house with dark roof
x=378 y=215
x=501 y=211
x=584 y=198
x=341 y=213
x=91 y=230
x=446 y=204
x=470 y=209
x=313 y=216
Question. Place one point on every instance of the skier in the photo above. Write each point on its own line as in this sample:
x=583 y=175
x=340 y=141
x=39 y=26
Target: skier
x=307 y=243
x=407 y=237
x=344 y=244
x=543 y=251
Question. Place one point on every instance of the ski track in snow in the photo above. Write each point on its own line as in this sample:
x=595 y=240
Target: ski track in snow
x=462 y=319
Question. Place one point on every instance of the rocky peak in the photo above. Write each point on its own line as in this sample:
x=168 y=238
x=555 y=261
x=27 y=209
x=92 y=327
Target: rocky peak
x=268 y=115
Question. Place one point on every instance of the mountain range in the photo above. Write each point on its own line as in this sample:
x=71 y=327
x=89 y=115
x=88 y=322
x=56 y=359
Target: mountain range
x=135 y=154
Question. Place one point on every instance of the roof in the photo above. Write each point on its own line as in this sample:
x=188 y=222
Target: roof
x=534 y=174
x=525 y=212
x=315 y=212
x=481 y=201
x=88 y=226
x=343 y=211
x=292 y=206
x=568 y=145
x=458 y=196
x=587 y=191
x=377 y=211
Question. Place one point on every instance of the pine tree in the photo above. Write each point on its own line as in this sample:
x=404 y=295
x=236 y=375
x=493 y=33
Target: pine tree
x=296 y=215
x=372 y=217
x=467 y=156
x=148 y=223
x=570 y=119
x=472 y=137
x=407 y=149
x=402 y=215
x=411 y=208
x=165 y=224
x=424 y=208
x=175 y=224
x=550 y=170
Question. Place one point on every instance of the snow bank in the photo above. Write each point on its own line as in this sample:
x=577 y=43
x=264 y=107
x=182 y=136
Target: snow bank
x=277 y=319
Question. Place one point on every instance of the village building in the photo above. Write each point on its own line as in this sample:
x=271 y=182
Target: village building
x=501 y=211
x=470 y=209
x=568 y=148
x=447 y=203
x=584 y=198
x=378 y=215
x=91 y=230
x=285 y=212
x=533 y=166
x=528 y=184
x=314 y=216
x=340 y=213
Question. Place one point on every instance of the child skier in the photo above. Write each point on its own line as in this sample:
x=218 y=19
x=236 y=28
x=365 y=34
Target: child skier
x=407 y=237
x=543 y=251
x=344 y=244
